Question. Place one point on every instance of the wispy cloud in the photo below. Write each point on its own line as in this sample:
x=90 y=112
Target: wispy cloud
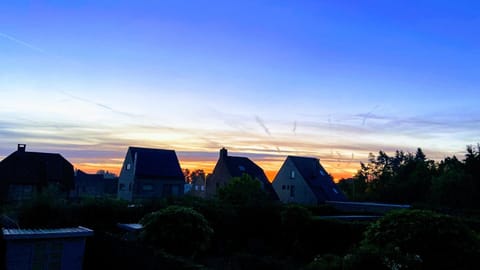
x=262 y=124
x=23 y=43
x=101 y=105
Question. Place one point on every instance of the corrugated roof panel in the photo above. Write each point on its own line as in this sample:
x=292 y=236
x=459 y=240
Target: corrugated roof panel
x=9 y=234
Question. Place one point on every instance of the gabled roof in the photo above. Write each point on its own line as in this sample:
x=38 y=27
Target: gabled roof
x=23 y=167
x=237 y=166
x=156 y=163
x=317 y=178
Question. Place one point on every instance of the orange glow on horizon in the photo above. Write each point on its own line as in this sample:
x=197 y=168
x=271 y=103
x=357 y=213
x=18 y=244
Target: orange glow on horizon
x=270 y=168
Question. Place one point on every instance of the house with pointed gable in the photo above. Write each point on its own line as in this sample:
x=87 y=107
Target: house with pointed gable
x=303 y=180
x=150 y=173
x=228 y=167
x=23 y=174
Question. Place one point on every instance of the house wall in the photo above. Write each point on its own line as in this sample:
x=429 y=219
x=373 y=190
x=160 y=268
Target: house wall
x=126 y=179
x=220 y=177
x=283 y=184
x=157 y=188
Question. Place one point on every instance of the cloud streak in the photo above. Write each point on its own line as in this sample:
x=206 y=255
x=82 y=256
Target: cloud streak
x=101 y=105
x=23 y=43
x=262 y=124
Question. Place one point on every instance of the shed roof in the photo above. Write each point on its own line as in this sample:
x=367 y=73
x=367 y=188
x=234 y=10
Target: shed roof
x=9 y=234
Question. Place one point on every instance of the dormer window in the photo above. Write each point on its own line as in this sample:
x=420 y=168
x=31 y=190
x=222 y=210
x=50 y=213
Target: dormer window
x=128 y=166
x=292 y=174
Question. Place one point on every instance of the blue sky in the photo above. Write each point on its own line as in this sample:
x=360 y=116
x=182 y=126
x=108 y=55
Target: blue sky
x=330 y=79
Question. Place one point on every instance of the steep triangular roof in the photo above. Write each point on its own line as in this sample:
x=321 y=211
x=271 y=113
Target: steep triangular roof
x=317 y=178
x=156 y=163
x=237 y=166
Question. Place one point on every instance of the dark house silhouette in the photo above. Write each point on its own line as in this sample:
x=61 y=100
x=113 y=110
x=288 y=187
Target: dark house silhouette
x=303 y=180
x=150 y=173
x=228 y=167
x=22 y=174
x=94 y=185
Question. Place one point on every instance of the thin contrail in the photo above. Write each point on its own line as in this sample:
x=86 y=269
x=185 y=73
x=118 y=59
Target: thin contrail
x=262 y=124
x=23 y=43
x=106 y=107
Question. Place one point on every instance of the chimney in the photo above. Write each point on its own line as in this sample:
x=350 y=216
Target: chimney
x=223 y=153
x=21 y=148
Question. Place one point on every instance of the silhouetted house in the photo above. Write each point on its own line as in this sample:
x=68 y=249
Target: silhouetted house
x=303 y=180
x=22 y=174
x=94 y=185
x=228 y=167
x=150 y=173
x=198 y=185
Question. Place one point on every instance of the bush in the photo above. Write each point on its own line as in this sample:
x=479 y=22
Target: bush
x=439 y=241
x=176 y=229
x=103 y=213
x=45 y=210
x=243 y=191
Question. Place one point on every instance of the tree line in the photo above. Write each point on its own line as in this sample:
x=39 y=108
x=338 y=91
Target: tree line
x=407 y=178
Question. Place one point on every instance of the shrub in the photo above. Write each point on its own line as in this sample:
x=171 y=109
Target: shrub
x=176 y=229
x=439 y=241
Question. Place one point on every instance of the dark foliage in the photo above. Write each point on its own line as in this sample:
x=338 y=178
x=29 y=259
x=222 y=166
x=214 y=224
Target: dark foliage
x=408 y=178
x=177 y=230
x=439 y=241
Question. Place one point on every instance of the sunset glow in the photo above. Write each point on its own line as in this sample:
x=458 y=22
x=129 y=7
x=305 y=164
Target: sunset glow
x=334 y=80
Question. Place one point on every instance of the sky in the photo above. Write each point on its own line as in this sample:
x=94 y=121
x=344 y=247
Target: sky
x=334 y=80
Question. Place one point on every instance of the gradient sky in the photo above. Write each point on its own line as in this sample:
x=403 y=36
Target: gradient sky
x=266 y=79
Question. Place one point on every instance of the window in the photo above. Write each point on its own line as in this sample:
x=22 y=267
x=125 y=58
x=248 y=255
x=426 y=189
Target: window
x=335 y=190
x=130 y=187
x=292 y=191
x=147 y=187
x=121 y=186
x=196 y=187
x=241 y=168
x=322 y=173
x=283 y=186
x=203 y=188
x=128 y=166
x=292 y=174
x=20 y=192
